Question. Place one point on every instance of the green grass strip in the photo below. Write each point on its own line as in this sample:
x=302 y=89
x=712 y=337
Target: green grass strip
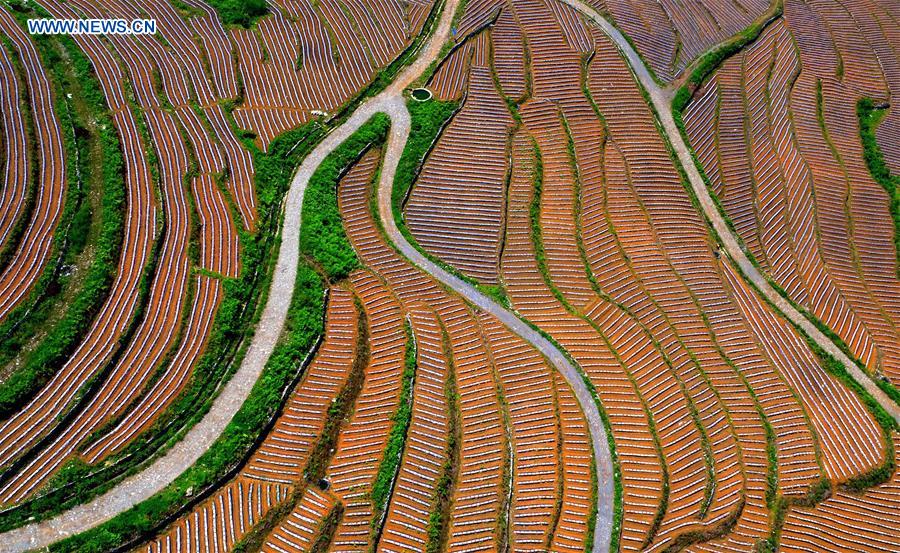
x=383 y=486
x=242 y=13
x=439 y=517
x=711 y=60
x=870 y=116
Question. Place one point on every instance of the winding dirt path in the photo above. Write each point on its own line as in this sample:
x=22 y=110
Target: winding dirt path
x=661 y=100
x=186 y=452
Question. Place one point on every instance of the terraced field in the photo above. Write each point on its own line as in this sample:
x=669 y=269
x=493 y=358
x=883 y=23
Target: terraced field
x=800 y=194
x=604 y=251
x=624 y=279
x=122 y=376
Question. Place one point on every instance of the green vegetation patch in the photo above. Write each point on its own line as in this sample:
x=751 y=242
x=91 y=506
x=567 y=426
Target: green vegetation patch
x=239 y=12
x=870 y=116
x=326 y=530
x=323 y=237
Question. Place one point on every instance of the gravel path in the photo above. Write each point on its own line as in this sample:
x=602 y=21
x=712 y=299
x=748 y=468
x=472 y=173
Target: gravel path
x=661 y=100
x=184 y=454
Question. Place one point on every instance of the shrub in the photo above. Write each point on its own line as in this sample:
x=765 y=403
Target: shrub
x=239 y=12
x=323 y=237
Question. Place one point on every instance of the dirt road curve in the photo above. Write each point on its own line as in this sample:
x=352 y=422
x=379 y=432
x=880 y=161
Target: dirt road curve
x=163 y=471
x=661 y=100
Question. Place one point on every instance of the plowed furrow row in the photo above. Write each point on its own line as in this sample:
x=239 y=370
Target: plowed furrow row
x=30 y=257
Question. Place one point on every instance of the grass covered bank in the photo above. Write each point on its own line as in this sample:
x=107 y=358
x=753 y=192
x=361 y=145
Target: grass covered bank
x=870 y=116
x=389 y=466
x=95 y=167
x=239 y=12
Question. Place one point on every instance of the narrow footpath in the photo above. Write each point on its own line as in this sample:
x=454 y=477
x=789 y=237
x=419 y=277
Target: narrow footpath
x=185 y=453
x=661 y=100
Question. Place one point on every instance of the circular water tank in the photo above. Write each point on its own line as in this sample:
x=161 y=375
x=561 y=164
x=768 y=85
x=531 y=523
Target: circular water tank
x=421 y=94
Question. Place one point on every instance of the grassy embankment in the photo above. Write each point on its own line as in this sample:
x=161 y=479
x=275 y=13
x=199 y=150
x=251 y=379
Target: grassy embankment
x=88 y=237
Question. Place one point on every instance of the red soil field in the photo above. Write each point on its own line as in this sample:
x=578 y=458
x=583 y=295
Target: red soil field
x=794 y=181
x=455 y=209
x=276 y=466
x=647 y=284
x=15 y=160
x=553 y=185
